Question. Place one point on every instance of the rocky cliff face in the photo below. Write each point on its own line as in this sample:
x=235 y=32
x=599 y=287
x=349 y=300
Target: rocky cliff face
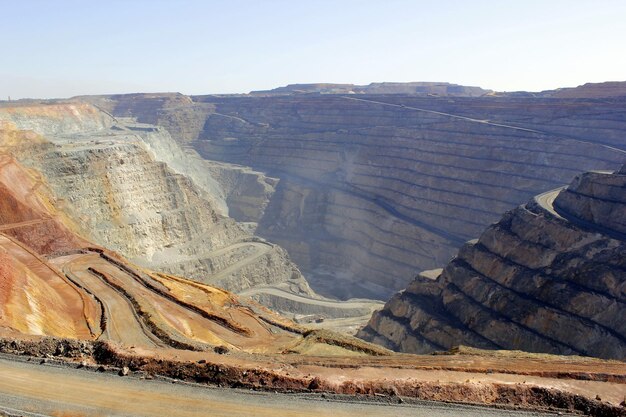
x=55 y=283
x=372 y=188
x=179 y=114
x=550 y=276
x=113 y=179
x=597 y=199
x=56 y=118
x=371 y=192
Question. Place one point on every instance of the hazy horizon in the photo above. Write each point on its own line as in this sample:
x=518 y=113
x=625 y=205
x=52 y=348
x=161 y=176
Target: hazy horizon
x=271 y=88
x=67 y=48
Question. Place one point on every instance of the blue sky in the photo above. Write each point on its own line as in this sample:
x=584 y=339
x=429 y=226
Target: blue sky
x=63 y=48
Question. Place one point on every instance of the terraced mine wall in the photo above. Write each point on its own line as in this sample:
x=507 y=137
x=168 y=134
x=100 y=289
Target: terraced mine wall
x=373 y=188
x=179 y=114
x=588 y=120
x=550 y=276
x=131 y=188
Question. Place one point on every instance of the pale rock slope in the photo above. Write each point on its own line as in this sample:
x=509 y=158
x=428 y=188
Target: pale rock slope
x=114 y=178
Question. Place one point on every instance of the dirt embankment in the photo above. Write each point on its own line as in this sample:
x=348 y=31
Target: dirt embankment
x=227 y=373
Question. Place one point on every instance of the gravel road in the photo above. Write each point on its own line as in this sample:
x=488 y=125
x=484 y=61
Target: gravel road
x=31 y=389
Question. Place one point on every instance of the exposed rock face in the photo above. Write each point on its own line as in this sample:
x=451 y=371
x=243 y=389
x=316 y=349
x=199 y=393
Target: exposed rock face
x=52 y=119
x=550 y=276
x=597 y=198
x=246 y=192
x=54 y=283
x=132 y=189
x=373 y=188
x=580 y=120
x=105 y=176
x=179 y=114
x=34 y=299
x=370 y=193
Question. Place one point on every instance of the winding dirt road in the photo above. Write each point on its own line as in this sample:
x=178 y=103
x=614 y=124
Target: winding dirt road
x=123 y=324
x=546 y=201
x=324 y=302
x=10 y=226
x=145 y=312
x=261 y=249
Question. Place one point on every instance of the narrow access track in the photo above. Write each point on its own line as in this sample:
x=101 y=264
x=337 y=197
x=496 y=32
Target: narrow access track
x=546 y=202
x=350 y=304
x=489 y=123
x=454 y=116
x=141 y=313
x=9 y=226
x=262 y=249
x=123 y=323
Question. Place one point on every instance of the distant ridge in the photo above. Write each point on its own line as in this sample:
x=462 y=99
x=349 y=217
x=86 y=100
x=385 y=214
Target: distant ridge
x=443 y=89
x=606 y=89
x=593 y=90
x=417 y=88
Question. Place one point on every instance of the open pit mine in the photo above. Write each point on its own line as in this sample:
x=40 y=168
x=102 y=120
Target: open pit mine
x=251 y=241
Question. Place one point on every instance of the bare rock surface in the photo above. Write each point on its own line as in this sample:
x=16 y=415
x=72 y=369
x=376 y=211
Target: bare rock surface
x=129 y=187
x=550 y=276
x=598 y=199
x=364 y=190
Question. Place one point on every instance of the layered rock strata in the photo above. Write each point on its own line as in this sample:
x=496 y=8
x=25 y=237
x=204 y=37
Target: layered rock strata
x=179 y=114
x=370 y=191
x=106 y=177
x=134 y=190
x=371 y=188
x=550 y=276
x=55 y=283
x=597 y=200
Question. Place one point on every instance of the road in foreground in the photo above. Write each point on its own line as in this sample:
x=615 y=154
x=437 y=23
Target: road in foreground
x=34 y=390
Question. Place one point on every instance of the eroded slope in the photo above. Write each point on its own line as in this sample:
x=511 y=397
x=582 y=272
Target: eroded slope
x=395 y=188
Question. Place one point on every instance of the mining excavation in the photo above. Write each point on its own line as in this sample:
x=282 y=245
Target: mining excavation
x=375 y=243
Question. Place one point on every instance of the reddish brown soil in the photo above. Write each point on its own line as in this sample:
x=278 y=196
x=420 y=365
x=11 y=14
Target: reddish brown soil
x=27 y=214
x=256 y=372
x=47 y=238
x=7 y=276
